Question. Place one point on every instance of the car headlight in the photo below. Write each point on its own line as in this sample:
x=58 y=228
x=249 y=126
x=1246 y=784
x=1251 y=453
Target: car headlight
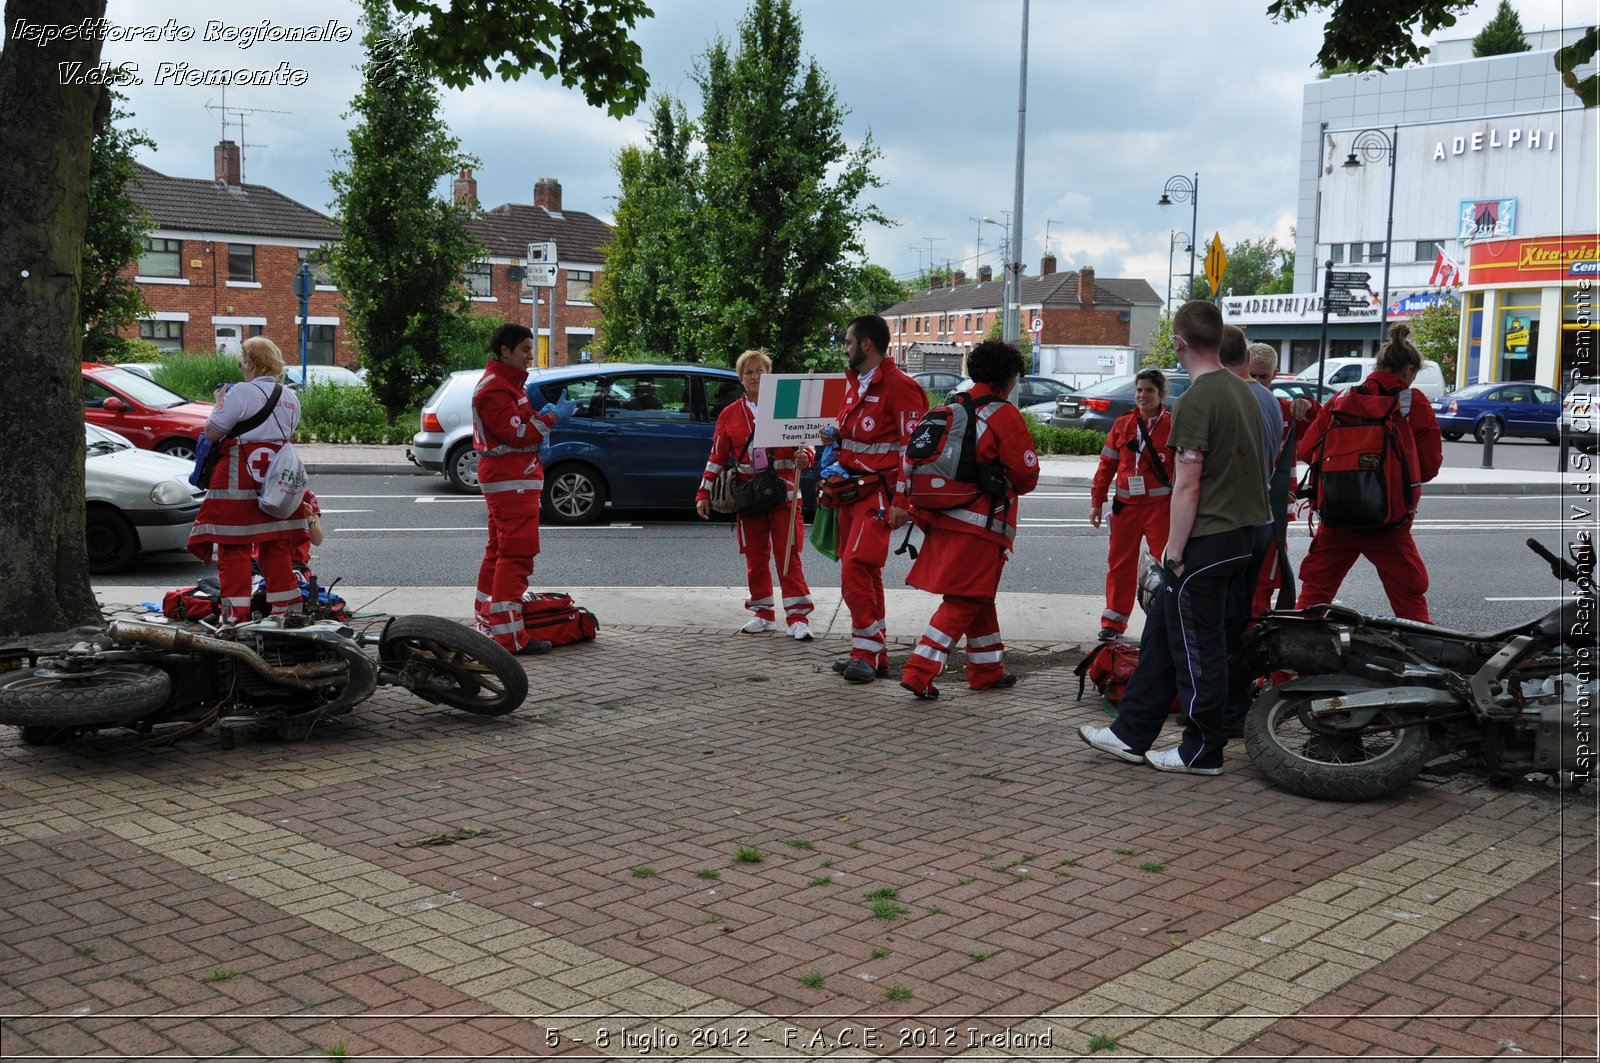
x=170 y=493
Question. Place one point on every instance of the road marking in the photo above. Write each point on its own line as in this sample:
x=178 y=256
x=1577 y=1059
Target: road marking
x=429 y=499
x=543 y=529
x=1568 y=598
x=328 y=511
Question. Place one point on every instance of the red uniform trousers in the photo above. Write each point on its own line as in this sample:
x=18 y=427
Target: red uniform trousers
x=235 y=578
x=966 y=570
x=1138 y=521
x=507 y=564
x=1268 y=581
x=761 y=539
x=231 y=522
x=1393 y=553
x=863 y=550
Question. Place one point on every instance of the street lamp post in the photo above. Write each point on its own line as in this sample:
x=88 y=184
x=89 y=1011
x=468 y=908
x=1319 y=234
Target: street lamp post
x=1172 y=245
x=1005 y=278
x=1373 y=144
x=1181 y=189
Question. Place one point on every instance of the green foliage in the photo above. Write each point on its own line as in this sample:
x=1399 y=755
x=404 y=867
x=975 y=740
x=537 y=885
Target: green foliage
x=400 y=260
x=588 y=44
x=873 y=290
x=737 y=229
x=1501 y=35
x=333 y=413
x=195 y=376
x=1161 y=353
x=1024 y=337
x=1372 y=34
x=1048 y=439
x=1258 y=267
x=1574 y=55
x=466 y=344
x=108 y=301
x=142 y=351
x=1437 y=333
x=812 y=979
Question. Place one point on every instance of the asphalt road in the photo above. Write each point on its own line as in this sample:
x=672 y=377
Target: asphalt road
x=412 y=531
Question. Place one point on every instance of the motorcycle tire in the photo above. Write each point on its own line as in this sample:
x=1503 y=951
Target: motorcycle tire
x=37 y=698
x=1327 y=765
x=445 y=663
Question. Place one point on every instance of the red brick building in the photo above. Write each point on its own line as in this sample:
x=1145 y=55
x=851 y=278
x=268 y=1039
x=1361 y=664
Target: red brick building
x=1076 y=308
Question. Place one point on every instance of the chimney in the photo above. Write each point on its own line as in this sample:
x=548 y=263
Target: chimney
x=465 y=190
x=985 y=274
x=225 y=156
x=1047 y=264
x=1086 y=288
x=959 y=278
x=547 y=194
x=935 y=281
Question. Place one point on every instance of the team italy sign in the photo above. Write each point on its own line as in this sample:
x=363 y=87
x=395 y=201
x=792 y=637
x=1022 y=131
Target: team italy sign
x=794 y=407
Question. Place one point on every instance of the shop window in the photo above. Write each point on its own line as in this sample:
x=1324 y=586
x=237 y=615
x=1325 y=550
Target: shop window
x=579 y=283
x=1519 y=333
x=161 y=258
x=1474 y=336
x=167 y=335
x=1375 y=252
x=241 y=262
x=1427 y=250
x=478 y=279
x=1336 y=254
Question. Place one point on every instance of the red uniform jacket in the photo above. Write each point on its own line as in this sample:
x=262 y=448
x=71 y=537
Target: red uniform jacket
x=875 y=424
x=507 y=431
x=736 y=424
x=1003 y=437
x=1125 y=456
x=1424 y=426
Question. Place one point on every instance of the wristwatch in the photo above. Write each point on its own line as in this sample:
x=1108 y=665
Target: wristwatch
x=1171 y=564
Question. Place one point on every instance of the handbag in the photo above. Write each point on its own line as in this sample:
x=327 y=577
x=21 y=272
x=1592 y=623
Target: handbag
x=283 y=489
x=208 y=452
x=763 y=494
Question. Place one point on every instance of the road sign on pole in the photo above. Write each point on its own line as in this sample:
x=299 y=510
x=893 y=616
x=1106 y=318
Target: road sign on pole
x=1349 y=279
x=541 y=265
x=1037 y=325
x=1216 y=263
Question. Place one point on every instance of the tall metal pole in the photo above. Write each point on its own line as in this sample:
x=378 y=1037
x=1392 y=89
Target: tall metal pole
x=1011 y=326
x=1172 y=242
x=1194 y=230
x=1388 y=239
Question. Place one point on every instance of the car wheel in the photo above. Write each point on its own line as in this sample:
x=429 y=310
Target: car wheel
x=1451 y=437
x=1489 y=428
x=177 y=448
x=110 y=541
x=461 y=468
x=573 y=494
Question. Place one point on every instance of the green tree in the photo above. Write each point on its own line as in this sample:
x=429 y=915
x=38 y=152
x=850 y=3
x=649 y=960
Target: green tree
x=114 y=237
x=1501 y=35
x=48 y=129
x=403 y=248
x=1160 y=353
x=1437 y=333
x=1257 y=267
x=760 y=224
x=872 y=291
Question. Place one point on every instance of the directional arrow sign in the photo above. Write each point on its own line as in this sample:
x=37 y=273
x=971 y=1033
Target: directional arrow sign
x=1216 y=263
x=1349 y=280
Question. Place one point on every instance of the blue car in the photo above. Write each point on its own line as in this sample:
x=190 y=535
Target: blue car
x=1492 y=411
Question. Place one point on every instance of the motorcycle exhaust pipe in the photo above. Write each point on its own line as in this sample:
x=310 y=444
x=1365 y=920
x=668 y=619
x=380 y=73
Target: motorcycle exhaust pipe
x=305 y=677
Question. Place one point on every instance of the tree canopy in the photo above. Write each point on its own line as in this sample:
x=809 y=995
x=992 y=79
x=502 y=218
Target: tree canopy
x=115 y=236
x=1501 y=35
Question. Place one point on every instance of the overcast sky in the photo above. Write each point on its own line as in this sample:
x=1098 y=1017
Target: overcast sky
x=1120 y=98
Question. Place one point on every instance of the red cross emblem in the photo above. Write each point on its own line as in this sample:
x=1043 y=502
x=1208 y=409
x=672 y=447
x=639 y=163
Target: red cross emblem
x=258 y=462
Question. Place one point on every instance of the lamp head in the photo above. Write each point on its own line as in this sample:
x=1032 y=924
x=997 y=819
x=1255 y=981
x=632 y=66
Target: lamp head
x=1165 y=202
x=1351 y=163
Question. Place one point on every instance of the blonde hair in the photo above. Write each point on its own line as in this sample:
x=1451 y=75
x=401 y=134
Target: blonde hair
x=263 y=355
x=752 y=355
x=1263 y=355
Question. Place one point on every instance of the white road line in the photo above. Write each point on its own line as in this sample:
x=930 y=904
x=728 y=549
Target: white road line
x=543 y=529
x=430 y=499
x=1571 y=598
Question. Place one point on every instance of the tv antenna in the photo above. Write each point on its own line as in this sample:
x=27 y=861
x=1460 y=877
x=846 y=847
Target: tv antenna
x=240 y=113
x=1047 y=225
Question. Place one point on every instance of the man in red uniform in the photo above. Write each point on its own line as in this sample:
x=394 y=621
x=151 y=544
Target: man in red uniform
x=1392 y=551
x=507 y=432
x=881 y=407
x=964 y=549
x=1135 y=461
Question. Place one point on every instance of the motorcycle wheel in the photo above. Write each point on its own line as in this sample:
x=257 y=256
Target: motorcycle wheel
x=47 y=697
x=442 y=662
x=1303 y=757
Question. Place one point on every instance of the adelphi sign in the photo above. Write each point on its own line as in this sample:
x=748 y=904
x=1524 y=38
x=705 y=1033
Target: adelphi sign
x=1550 y=258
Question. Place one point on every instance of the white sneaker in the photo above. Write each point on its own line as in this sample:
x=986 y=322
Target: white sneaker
x=756 y=625
x=800 y=630
x=1168 y=760
x=1103 y=739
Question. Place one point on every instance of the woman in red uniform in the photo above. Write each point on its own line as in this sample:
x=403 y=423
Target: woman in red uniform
x=230 y=521
x=964 y=549
x=769 y=535
x=1136 y=457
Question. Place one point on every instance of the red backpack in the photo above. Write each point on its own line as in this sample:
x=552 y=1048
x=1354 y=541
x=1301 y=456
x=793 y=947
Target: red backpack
x=1109 y=666
x=942 y=455
x=556 y=619
x=1364 y=474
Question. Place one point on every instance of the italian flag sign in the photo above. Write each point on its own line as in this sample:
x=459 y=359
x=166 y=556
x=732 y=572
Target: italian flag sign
x=794 y=407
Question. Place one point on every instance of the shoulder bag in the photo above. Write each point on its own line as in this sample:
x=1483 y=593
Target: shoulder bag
x=207 y=453
x=766 y=492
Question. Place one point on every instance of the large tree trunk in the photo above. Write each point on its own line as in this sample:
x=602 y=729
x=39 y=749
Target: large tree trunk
x=46 y=129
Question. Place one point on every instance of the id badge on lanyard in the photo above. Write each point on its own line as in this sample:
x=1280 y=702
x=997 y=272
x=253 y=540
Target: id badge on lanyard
x=1136 y=485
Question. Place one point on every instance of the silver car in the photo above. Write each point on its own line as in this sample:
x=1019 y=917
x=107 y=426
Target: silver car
x=135 y=501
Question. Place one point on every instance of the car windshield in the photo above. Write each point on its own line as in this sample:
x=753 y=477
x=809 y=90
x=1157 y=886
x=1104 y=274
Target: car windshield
x=1474 y=391
x=144 y=392
x=99 y=441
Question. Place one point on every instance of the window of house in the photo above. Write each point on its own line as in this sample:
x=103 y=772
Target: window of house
x=319 y=344
x=1427 y=250
x=1375 y=252
x=241 y=262
x=161 y=258
x=317 y=259
x=967 y=323
x=478 y=279
x=1336 y=254
x=167 y=335
x=579 y=281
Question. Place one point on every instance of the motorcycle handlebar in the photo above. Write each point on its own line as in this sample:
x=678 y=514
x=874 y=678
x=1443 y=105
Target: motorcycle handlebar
x=1560 y=567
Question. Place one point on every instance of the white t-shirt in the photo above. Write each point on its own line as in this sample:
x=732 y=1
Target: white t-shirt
x=243 y=400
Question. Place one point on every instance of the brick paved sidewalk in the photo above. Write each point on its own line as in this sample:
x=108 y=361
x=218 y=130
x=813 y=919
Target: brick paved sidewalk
x=957 y=879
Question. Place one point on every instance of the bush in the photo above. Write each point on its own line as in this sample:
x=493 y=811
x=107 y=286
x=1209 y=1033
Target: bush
x=1048 y=439
x=467 y=346
x=134 y=350
x=196 y=376
x=333 y=413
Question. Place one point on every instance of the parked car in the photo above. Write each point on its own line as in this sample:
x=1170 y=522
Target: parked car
x=1293 y=388
x=1038 y=394
x=1578 y=413
x=1342 y=372
x=1500 y=409
x=937 y=384
x=322 y=374
x=1100 y=404
x=640 y=437
x=144 y=369
x=135 y=501
x=148 y=415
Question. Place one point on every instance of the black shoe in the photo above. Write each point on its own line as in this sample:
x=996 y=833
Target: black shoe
x=534 y=648
x=931 y=694
x=858 y=671
x=1109 y=634
x=1005 y=682
x=882 y=671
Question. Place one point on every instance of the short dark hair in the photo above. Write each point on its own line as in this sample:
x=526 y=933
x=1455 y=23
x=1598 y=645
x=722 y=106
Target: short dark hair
x=1155 y=376
x=1234 y=349
x=508 y=335
x=995 y=362
x=874 y=328
x=1399 y=353
x=1199 y=323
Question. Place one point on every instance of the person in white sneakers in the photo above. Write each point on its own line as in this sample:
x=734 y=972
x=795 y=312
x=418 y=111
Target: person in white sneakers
x=764 y=538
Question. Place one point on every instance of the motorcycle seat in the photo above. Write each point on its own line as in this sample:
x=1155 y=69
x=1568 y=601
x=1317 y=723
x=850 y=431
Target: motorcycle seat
x=1344 y=614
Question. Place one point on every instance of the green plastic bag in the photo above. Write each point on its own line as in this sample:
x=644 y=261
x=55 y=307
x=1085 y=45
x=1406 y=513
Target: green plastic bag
x=825 y=532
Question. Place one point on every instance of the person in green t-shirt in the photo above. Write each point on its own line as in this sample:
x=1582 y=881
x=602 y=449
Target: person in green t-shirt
x=1219 y=493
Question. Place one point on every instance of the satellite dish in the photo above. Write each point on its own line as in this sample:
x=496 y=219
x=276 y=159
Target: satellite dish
x=515 y=273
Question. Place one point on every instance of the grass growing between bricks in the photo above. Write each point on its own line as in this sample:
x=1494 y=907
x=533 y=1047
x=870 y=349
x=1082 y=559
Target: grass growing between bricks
x=812 y=979
x=646 y=872
x=897 y=992
x=708 y=874
x=747 y=854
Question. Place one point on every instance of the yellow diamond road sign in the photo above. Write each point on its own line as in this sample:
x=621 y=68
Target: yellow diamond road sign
x=1216 y=263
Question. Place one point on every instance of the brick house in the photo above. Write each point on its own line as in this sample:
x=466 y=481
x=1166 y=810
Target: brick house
x=1076 y=308
x=494 y=287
